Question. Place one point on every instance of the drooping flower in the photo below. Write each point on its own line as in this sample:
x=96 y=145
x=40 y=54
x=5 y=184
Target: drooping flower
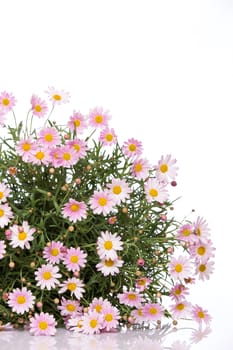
x=109 y=266
x=152 y=311
x=75 y=323
x=98 y=118
x=2 y=249
x=132 y=148
x=180 y=267
x=155 y=191
x=39 y=107
x=200 y=315
x=42 y=324
x=77 y=122
x=119 y=189
x=58 y=96
x=7 y=102
x=108 y=137
x=166 y=169
x=74 y=259
x=21 y=236
x=101 y=202
x=47 y=276
x=108 y=244
x=140 y=168
x=131 y=298
x=92 y=322
x=49 y=137
x=74 y=210
x=74 y=286
x=53 y=252
x=4 y=192
x=21 y=300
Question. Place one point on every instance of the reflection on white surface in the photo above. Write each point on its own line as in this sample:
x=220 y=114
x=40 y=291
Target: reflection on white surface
x=168 y=338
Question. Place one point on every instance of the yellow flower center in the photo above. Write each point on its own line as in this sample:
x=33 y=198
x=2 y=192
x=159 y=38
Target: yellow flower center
x=108 y=317
x=178 y=268
x=1 y=212
x=163 y=168
x=202 y=268
x=43 y=325
x=77 y=147
x=108 y=245
x=198 y=231
x=99 y=119
x=201 y=314
x=109 y=263
x=74 y=259
x=102 y=201
x=180 y=306
x=140 y=313
x=66 y=156
x=178 y=291
x=74 y=207
x=142 y=282
x=131 y=296
x=5 y=102
x=54 y=251
x=117 y=189
x=38 y=108
x=109 y=137
x=26 y=147
x=201 y=250
x=40 y=155
x=70 y=307
x=48 y=137
x=93 y=323
x=57 y=97
x=77 y=123
x=22 y=236
x=98 y=308
x=21 y=299
x=186 y=232
x=138 y=167
x=153 y=192
x=132 y=147
x=1 y=195
x=47 y=275
x=153 y=311
x=71 y=286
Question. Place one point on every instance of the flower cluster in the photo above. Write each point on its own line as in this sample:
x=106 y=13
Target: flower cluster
x=87 y=234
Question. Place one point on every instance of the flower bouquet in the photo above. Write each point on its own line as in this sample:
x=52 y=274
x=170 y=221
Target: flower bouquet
x=88 y=239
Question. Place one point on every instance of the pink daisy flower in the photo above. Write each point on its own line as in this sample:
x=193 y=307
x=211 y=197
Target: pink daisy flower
x=142 y=283
x=181 y=309
x=119 y=190
x=108 y=244
x=180 y=267
x=109 y=266
x=21 y=300
x=110 y=318
x=5 y=214
x=4 y=192
x=201 y=228
x=155 y=191
x=178 y=292
x=22 y=235
x=40 y=156
x=108 y=137
x=204 y=270
x=75 y=323
x=26 y=148
x=101 y=202
x=77 y=122
x=74 y=259
x=98 y=118
x=42 y=324
x=70 y=307
x=2 y=249
x=74 y=210
x=132 y=148
x=186 y=233
x=54 y=252
x=54 y=157
x=58 y=96
x=152 y=311
x=67 y=156
x=138 y=315
x=99 y=304
x=130 y=298
x=166 y=169
x=79 y=146
x=47 y=276
x=74 y=285
x=202 y=251
x=200 y=315
x=140 y=168
x=49 y=137
x=7 y=102
x=92 y=322
x=39 y=107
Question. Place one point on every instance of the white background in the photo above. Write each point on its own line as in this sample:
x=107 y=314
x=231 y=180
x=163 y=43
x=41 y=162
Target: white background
x=164 y=69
